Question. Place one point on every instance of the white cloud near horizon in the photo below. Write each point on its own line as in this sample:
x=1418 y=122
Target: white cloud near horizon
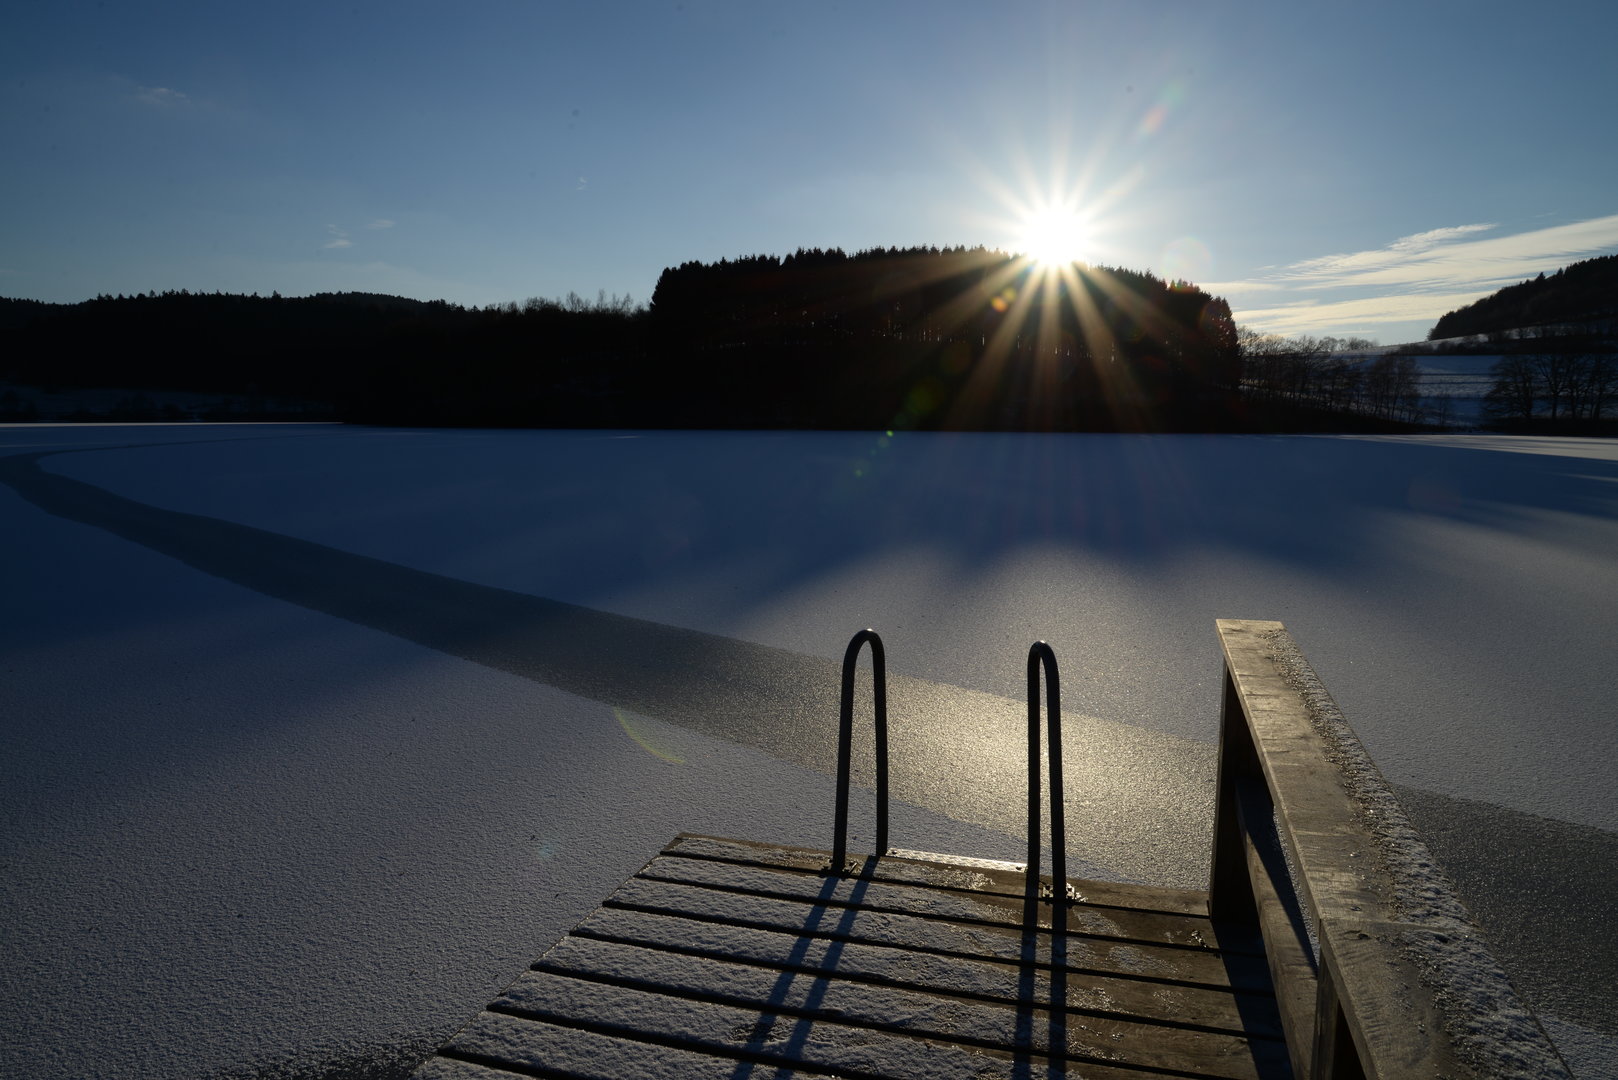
x=1354 y=316
x=340 y=236
x=1421 y=276
x=159 y=96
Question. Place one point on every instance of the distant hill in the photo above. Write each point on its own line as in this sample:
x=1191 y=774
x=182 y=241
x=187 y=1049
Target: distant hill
x=1578 y=295
x=207 y=342
x=914 y=338
x=19 y=313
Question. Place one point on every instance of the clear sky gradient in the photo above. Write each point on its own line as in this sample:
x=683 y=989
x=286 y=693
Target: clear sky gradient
x=1343 y=169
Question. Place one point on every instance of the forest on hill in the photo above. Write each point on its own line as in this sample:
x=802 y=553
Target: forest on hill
x=915 y=338
x=1582 y=295
x=211 y=342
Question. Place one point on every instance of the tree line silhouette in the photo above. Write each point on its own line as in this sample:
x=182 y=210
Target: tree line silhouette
x=1561 y=382
x=211 y=342
x=915 y=338
x=1584 y=293
x=1337 y=375
x=953 y=338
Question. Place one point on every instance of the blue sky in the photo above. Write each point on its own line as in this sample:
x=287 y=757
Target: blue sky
x=1344 y=169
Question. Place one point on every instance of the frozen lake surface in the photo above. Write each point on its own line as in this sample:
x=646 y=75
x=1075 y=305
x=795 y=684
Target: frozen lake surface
x=317 y=735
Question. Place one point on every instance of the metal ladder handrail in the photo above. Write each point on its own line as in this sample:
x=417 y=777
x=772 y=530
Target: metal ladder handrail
x=1041 y=655
x=845 y=744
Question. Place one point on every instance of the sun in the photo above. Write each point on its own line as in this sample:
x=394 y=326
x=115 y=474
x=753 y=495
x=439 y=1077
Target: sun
x=1054 y=236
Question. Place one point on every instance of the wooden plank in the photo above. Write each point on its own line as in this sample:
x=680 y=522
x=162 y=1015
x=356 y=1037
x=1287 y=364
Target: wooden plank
x=687 y=970
x=529 y=1047
x=1396 y=1029
x=1138 y=960
x=995 y=982
x=1099 y=1035
x=1230 y=888
x=872 y=895
x=986 y=876
x=824 y=1040
x=1395 y=994
x=1292 y=963
x=1337 y=877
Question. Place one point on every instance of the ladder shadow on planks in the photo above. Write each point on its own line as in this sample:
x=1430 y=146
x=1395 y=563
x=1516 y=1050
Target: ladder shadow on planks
x=1325 y=947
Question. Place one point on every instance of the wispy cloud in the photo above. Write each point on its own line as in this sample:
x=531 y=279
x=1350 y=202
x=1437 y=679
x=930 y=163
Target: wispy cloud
x=160 y=97
x=1433 y=237
x=1356 y=316
x=1415 y=277
x=340 y=237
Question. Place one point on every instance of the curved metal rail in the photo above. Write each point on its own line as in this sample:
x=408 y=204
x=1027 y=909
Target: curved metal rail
x=845 y=744
x=1041 y=655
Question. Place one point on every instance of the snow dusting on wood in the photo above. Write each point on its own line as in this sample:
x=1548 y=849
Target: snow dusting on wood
x=1491 y=1029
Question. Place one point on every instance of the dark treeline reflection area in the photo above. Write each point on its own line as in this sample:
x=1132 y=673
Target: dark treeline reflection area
x=919 y=338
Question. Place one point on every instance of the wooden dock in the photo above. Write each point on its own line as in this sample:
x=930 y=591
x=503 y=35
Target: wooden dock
x=1319 y=951
x=721 y=954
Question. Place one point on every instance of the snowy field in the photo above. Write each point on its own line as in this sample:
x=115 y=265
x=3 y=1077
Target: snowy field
x=315 y=736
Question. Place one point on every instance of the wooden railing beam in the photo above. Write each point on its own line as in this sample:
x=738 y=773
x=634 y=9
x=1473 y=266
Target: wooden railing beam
x=1291 y=840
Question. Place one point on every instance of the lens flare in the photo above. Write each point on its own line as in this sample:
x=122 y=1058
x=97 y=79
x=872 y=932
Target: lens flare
x=640 y=730
x=1156 y=116
x=1187 y=259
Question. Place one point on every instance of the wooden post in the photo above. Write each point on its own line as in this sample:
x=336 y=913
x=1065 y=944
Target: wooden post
x=1375 y=1007
x=1230 y=890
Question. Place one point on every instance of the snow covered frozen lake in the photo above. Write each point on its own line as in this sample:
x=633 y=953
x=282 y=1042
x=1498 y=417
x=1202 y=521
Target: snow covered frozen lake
x=316 y=735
